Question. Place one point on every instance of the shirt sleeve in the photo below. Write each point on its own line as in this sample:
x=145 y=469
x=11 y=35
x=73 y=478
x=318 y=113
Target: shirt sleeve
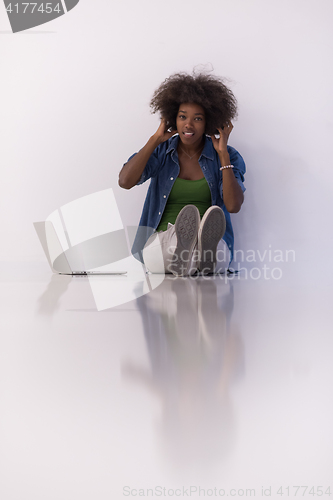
x=239 y=166
x=152 y=167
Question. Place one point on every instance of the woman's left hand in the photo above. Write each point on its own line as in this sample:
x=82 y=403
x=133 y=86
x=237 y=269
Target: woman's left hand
x=221 y=144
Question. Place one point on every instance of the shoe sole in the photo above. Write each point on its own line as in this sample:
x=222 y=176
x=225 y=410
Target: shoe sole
x=186 y=227
x=211 y=230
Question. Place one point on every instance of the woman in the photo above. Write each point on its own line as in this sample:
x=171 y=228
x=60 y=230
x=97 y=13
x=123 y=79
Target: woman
x=194 y=175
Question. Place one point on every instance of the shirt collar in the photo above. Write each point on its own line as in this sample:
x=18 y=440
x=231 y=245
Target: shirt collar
x=208 y=150
x=173 y=143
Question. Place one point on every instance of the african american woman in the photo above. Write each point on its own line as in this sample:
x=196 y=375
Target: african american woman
x=196 y=178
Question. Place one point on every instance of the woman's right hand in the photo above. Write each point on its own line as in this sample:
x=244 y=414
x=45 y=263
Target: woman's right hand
x=132 y=170
x=162 y=134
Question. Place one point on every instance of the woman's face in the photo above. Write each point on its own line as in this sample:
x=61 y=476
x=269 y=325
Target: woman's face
x=191 y=123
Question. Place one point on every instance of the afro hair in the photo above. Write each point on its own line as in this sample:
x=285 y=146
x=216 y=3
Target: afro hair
x=208 y=91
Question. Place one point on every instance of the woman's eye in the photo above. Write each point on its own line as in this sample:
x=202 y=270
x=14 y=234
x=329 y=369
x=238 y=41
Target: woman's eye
x=198 y=118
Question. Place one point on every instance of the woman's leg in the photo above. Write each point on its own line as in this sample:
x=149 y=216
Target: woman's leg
x=159 y=249
x=211 y=231
x=222 y=257
x=172 y=251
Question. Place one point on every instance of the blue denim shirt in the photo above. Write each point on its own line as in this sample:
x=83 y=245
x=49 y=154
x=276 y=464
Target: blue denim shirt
x=163 y=169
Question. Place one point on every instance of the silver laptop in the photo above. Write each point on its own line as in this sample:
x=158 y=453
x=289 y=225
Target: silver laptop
x=86 y=236
x=87 y=257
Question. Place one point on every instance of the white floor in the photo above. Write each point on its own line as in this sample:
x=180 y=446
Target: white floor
x=213 y=383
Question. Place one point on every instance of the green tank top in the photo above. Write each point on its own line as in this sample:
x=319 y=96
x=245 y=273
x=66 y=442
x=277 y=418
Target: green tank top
x=185 y=192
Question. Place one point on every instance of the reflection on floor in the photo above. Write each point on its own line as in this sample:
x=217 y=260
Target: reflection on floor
x=194 y=353
x=208 y=386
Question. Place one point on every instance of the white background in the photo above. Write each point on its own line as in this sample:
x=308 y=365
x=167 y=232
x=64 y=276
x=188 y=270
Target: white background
x=75 y=98
x=74 y=105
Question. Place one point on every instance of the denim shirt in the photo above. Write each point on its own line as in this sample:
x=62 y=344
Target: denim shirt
x=163 y=169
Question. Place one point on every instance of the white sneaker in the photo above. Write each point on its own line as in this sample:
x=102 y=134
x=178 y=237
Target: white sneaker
x=211 y=230
x=186 y=227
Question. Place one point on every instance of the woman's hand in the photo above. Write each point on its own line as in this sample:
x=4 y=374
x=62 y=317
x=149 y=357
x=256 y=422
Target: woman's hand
x=220 y=144
x=162 y=134
x=132 y=170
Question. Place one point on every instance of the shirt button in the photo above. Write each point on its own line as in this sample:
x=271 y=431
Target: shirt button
x=171 y=178
x=164 y=196
x=159 y=213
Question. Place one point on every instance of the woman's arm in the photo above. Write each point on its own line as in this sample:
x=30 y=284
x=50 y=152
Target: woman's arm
x=131 y=172
x=232 y=192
